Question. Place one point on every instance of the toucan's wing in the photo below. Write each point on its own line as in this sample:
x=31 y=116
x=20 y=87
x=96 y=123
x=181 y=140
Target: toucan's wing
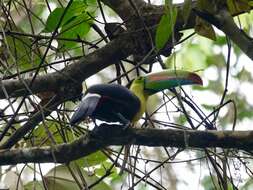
x=115 y=99
x=86 y=108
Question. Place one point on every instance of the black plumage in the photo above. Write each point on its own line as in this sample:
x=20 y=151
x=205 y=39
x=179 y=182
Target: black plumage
x=107 y=102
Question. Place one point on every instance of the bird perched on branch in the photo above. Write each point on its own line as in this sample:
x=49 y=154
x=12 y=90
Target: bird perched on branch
x=116 y=103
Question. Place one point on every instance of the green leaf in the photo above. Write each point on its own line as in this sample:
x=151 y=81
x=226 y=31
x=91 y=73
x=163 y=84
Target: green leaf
x=74 y=25
x=244 y=114
x=204 y=29
x=165 y=27
x=53 y=19
x=208 y=107
x=60 y=178
x=20 y=49
x=38 y=185
x=12 y=180
x=78 y=27
x=104 y=167
x=220 y=41
x=191 y=57
x=92 y=159
x=40 y=134
x=181 y=119
x=77 y=8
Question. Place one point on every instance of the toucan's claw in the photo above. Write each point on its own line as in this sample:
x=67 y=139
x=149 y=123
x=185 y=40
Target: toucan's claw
x=126 y=123
x=125 y=126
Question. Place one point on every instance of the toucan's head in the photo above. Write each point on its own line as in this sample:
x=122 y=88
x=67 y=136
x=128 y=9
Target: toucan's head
x=155 y=82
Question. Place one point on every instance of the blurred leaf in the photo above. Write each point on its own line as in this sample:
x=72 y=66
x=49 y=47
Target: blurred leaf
x=56 y=183
x=92 y=159
x=237 y=6
x=216 y=60
x=53 y=19
x=76 y=29
x=208 y=183
x=220 y=40
x=12 y=181
x=208 y=107
x=60 y=178
x=248 y=185
x=206 y=5
x=104 y=167
x=244 y=75
x=75 y=9
x=191 y=58
x=91 y=5
x=74 y=25
x=181 y=119
x=117 y=179
x=40 y=134
x=198 y=87
x=21 y=51
x=34 y=185
x=244 y=109
x=165 y=27
x=38 y=9
x=245 y=114
x=205 y=29
x=187 y=10
x=217 y=85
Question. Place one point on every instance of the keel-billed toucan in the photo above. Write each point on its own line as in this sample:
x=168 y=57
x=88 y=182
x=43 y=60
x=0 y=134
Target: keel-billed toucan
x=115 y=103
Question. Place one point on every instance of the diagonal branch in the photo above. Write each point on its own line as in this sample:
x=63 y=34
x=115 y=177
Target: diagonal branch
x=33 y=121
x=108 y=135
x=224 y=21
x=119 y=48
x=73 y=74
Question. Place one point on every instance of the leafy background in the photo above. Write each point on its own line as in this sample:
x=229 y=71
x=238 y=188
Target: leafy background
x=27 y=33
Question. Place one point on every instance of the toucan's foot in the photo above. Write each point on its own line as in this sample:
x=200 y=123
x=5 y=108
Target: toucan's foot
x=102 y=131
x=107 y=130
x=126 y=125
x=95 y=129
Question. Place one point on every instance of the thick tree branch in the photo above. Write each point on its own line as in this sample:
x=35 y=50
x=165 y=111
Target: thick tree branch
x=124 y=8
x=73 y=74
x=118 y=49
x=238 y=36
x=108 y=135
x=225 y=22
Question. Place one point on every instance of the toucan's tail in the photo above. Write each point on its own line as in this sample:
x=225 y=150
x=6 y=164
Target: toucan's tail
x=86 y=108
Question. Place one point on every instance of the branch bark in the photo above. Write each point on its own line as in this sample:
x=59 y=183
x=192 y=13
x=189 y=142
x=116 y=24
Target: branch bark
x=33 y=121
x=107 y=135
x=111 y=53
x=75 y=73
x=117 y=49
x=224 y=21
